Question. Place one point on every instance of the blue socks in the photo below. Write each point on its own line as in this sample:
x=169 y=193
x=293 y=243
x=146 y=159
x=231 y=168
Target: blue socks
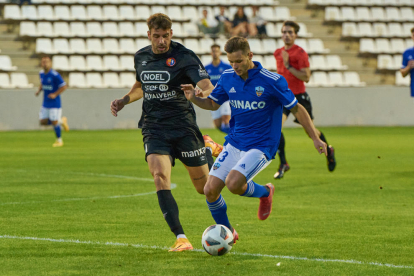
x=57 y=131
x=218 y=210
x=255 y=190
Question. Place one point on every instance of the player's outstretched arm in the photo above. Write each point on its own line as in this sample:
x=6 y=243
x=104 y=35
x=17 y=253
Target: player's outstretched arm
x=304 y=119
x=405 y=71
x=204 y=103
x=133 y=95
x=58 y=92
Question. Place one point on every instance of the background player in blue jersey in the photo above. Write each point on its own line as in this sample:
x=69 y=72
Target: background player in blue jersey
x=408 y=64
x=257 y=97
x=220 y=116
x=50 y=113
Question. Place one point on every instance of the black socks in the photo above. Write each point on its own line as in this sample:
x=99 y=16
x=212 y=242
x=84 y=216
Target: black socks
x=169 y=209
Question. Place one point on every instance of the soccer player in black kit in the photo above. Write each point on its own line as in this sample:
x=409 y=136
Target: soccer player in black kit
x=168 y=120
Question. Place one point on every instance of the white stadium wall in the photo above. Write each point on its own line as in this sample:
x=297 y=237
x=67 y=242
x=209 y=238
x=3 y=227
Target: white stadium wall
x=89 y=109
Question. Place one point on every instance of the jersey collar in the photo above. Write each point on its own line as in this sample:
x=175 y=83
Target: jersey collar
x=252 y=72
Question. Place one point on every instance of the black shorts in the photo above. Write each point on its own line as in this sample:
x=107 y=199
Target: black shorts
x=304 y=100
x=185 y=144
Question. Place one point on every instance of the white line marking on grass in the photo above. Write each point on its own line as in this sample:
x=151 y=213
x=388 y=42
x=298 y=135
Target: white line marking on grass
x=200 y=250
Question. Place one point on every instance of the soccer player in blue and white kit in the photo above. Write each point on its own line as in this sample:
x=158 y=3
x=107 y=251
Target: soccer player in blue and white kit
x=220 y=116
x=257 y=98
x=50 y=113
x=407 y=67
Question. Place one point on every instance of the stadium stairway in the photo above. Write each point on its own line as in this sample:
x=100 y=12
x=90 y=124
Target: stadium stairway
x=331 y=36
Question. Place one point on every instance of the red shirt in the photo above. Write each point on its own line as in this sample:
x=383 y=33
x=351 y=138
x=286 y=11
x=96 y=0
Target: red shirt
x=298 y=59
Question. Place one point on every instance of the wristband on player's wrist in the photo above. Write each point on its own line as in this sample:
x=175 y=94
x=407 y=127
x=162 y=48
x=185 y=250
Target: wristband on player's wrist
x=288 y=67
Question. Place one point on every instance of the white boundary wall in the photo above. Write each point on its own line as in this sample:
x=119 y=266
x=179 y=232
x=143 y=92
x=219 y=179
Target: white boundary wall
x=89 y=109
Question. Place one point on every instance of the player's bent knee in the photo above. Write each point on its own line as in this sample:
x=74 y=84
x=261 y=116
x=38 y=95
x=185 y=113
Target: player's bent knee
x=211 y=193
x=234 y=186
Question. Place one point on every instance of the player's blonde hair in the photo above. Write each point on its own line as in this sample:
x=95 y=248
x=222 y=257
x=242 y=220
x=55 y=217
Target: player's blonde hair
x=237 y=43
x=159 y=21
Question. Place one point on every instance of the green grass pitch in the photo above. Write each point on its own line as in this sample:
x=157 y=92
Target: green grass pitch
x=89 y=208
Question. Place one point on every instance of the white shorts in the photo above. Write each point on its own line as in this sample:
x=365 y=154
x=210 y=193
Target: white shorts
x=249 y=163
x=223 y=110
x=53 y=114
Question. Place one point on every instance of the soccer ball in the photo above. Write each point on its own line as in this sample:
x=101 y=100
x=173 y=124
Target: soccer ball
x=217 y=240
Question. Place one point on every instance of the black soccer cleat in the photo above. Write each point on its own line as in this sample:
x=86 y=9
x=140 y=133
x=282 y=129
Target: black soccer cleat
x=282 y=169
x=331 y=159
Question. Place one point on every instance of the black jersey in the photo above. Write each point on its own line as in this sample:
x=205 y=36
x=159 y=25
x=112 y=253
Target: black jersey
x=161 y=76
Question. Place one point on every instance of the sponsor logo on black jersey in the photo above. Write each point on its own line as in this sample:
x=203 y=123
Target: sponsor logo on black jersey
x=155 y=77
x=193 y=153
x=202 y=72
x=171 y=62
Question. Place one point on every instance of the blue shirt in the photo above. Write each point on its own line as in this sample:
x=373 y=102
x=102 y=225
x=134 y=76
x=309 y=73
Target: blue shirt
x=216 y=71
x=407 y=56
x=256 y=108
x=51 y=82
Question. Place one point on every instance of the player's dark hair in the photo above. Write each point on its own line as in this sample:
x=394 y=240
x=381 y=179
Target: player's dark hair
x=412 y=30
x=292 y=24
x=237 y=43
x=159 y=21
x=46 y=56
x=215 y=46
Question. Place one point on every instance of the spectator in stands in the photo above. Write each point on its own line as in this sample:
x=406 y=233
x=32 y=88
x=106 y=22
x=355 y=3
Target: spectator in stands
x=241 y=24
x=408 y=64
x=209 y=26
x=225 y=20
x=258 y=22
x=293 y=63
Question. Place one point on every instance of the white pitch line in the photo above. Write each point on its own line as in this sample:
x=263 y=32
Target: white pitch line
x=200 y=250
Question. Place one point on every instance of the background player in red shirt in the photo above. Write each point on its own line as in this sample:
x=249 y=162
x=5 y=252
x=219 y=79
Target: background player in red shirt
x=293 y=63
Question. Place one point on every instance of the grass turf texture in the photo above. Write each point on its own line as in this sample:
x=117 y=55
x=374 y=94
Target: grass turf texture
x=342 y=215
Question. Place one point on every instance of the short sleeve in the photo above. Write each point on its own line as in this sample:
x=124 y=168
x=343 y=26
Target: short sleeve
x=59 y=80
x=404 y=60
x=303 y=59
x=283 y=94
x=219 y=95
x=195 y=70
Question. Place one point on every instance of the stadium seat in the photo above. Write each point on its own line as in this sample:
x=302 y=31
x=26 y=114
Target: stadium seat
x=78 y=29
x=334 y=63
x=61 y=29
x=158 y=9
x=397 y=61
x=393 y=14
x=193 y=44
x=45 y=12
x=175 y=12
x=77 y=80
x=111 y=12
x=190 y=29
x=283 y=13
x=94 y=29
x=142 y=12
x=5 y=81
x=44 y=46
x=29 y=12
x=127 y=46
x=406 y=28
x=190 y=13
x=365 y=30
x=378 y=14
x=77 y=63
x=303 y=31
x=303 y=43
x=126 y=13
x=141 y=43
x=62 y=13
x=94 y=12
x=363 y=14
x=348 y=14
x=178 y=30
x=352 y=79
x=19 y=80
x=259 y=59
x=77 y=46
x=270 y=62
x=409 y=43
x=111 y=80
x=127 y=79
x=94 y=80
x=383 y=45
x=45 y=29
x=269 y=45
x=367 y=45
x=257 y=45
x=78 y=12
x=94 y=63
x=349 y=29
x=272 y=31
x=316 y=46
x=61 y=46
x=205 y=45
x=94 y=45
x=268 y=13
x=397 y=46
x=141 y=29
x=6 y=64
x=110 y=29
x=28 y=28
x=395 y=30
x=126 y=29
x=12 y=12
x=380 y=29
x=385 y=62
x=407 y=14
x=111 y=63
x=320 y=79
x=111 y=46
x=318 y=62
x=336 y=79
x=400 y=81
x=332 y=14
x=61 y=63
x=205 y=59
x=126 y=63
